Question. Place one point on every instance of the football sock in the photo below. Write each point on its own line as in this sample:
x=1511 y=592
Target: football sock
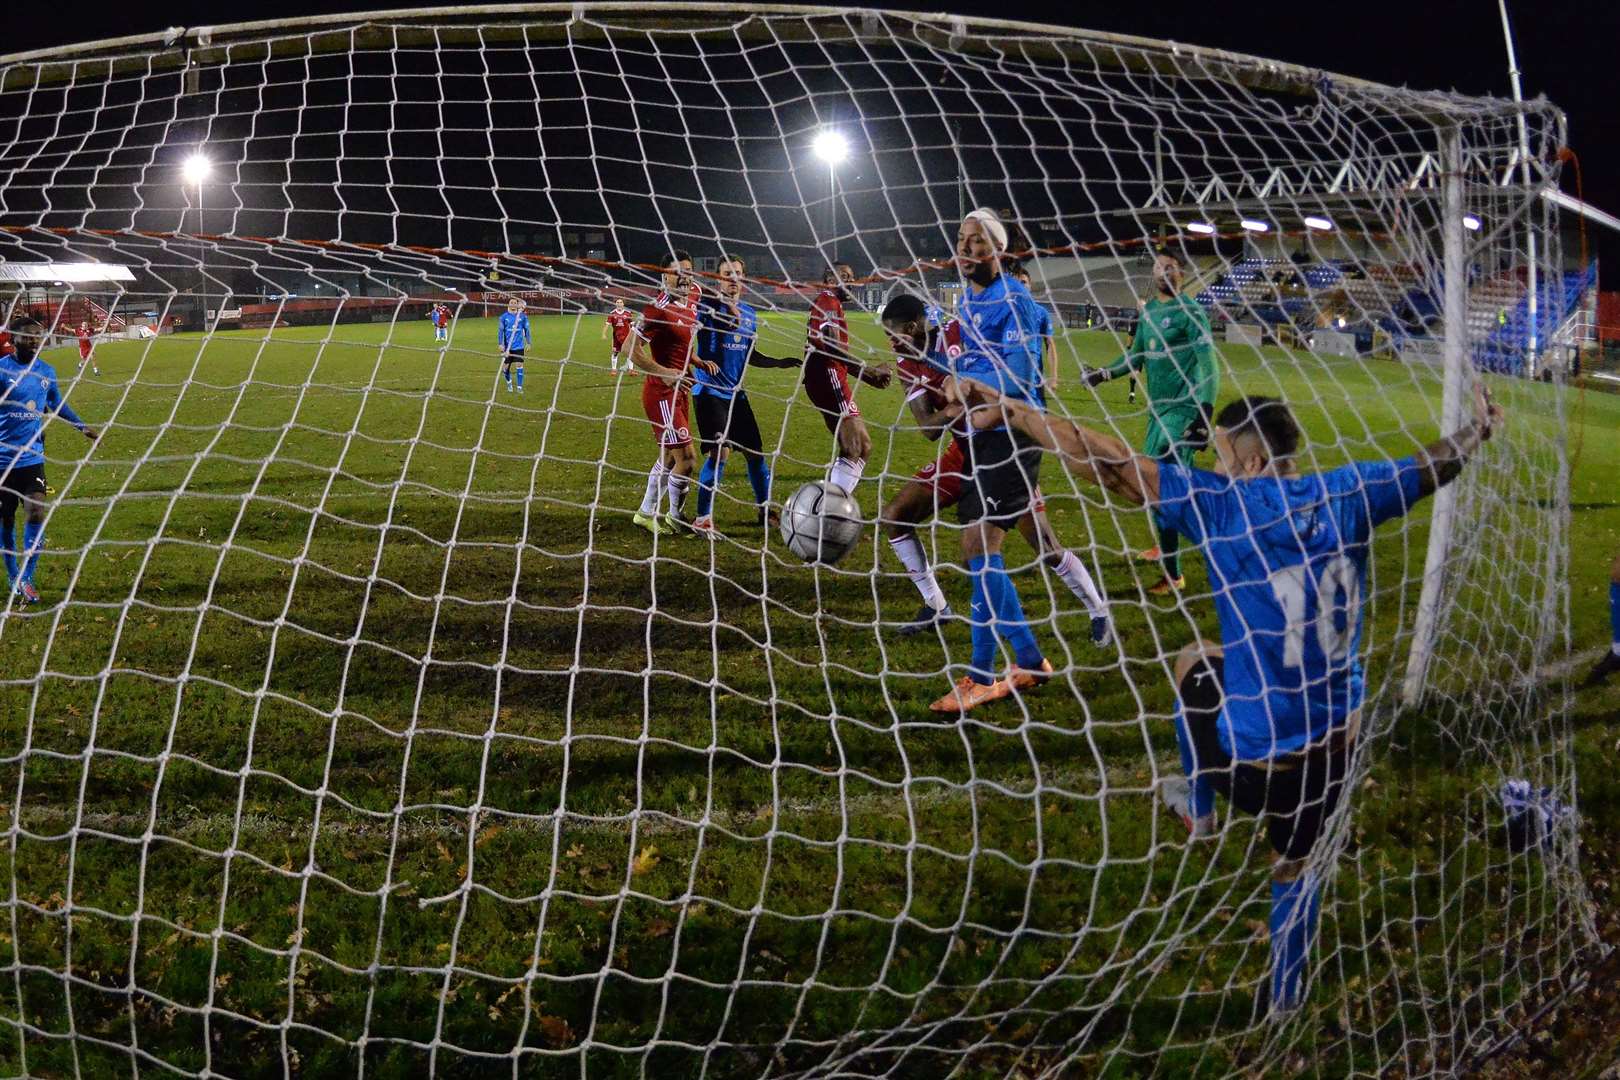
x=678 y=486
x=33 y=542
x=520 y=378
x=1203 y=792
x=714 y=470
x=1169 y=543
x=1614 y=614
x=909 y=550
x=984 y=637
x=759 y=478
x=846 y=473
x=1295 y=906
x=8 y=542
x=655 y=488
x=506 y=373
x=1073 y=573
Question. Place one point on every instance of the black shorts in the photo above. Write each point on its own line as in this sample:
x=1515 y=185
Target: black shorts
x=726 y=421
x=1297 y=793
x=512 y=356
x=1003 y=473
x=18 y=482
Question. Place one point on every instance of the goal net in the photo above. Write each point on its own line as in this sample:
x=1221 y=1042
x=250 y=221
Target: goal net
x=360 y=728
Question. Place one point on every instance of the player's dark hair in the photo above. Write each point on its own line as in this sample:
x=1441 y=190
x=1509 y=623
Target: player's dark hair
x=742 y=264
x=1015 y=269
x=1267 y=417
x=903 y=308
x=675 y=258
x=830 y=275
x=1175 y=257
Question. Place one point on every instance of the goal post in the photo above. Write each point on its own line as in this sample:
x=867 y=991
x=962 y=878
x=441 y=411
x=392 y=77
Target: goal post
x=376 y=718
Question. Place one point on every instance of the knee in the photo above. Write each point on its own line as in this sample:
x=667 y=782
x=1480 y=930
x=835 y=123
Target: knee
x=1614 y=571
x=1191 y=655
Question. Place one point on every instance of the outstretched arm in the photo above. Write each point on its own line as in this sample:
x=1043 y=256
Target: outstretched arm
x=1091 y=455
x=1442 y=461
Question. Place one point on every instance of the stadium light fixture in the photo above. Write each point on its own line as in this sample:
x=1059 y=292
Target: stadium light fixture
x=1255 y=226
x=1471 y=223
x=196 y=169
x=1320 y=224
x=830 y=146
x=1202 y=228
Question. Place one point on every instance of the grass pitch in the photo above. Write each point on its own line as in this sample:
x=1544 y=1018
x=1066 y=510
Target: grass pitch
x=362 y=730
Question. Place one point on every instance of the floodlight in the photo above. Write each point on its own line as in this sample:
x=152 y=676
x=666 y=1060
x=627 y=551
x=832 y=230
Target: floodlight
x=830 y=146
x=1202 y=228
x=1471 y=223
x=196 y=169
x=1255 y=226
x=1321 y=224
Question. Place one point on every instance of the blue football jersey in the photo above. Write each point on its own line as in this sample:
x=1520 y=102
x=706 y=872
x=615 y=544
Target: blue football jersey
x=724 y=341
x=1288 y=562
x=514 y=331
x=1001 y=346
x=28 y=393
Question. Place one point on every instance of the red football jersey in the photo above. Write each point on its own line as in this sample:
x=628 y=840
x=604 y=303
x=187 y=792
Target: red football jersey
x=828 y=330
x=928 y=376
x=621 y=321
x=666 y=326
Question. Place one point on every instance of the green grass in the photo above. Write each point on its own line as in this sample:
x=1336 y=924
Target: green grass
x=363 y=728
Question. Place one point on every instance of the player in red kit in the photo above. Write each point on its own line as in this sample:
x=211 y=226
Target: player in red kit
x=663 y=349
x=86 y=347
x=827 y=364
x=619 y=323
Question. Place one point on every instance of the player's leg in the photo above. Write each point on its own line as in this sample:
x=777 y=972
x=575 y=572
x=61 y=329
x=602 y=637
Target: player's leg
x=506 y=370
x=912 y=504
x=1002 y=474
x=33 y=531
x=743 y=432
x=1169 y=549
x=1067 y=566
x=517 y=365
x=711 y=413
x=854 y=450
x=682 y=459
x=1199 y=681
x=1610 y=662
x=653 y=404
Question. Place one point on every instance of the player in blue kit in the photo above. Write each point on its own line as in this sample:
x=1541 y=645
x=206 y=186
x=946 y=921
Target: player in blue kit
x=1268 y=717
x=1049 y=357
x=29 y=396
x=727 y=333
x=514 y=337
x=1609 y=663
x=1000 y=351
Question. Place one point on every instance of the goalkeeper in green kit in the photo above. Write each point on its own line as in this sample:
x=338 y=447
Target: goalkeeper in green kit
x=1175 y=348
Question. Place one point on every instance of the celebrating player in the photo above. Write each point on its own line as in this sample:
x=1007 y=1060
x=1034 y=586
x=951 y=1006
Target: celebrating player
x=1174 y=347
x=998 y=319
x=663 y=349
x=728 y=332
x=514 y=337
x=1610 y=663
x=618 y=324
x=926 y=355
x=1269 y=716
x=827 y=363
x=87 y=346
x=1049 y=357
x=29 y=396
x=441 y=322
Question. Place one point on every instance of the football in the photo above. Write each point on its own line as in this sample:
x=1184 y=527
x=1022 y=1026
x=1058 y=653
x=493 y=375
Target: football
x=821 y=523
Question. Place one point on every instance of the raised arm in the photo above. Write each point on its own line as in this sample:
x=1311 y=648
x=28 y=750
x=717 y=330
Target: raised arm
x=1442 y=461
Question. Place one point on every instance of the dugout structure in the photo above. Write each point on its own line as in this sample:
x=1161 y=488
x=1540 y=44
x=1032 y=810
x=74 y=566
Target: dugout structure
x=364 y=734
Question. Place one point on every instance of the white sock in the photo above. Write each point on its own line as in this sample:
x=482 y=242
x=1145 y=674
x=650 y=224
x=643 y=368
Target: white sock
x=846 y=473
x=655 y=488
x=678 y=487
x=909 y=550
x=1078 y=579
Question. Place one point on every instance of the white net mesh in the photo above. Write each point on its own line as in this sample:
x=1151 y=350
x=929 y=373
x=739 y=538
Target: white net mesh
x=361 y=731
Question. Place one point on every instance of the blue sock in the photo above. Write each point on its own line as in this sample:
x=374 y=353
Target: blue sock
x=507 y=374
x=1614 y=611
x=1295 y=908
x=8 y=541
x=759 y=478
x=708 y=483
x=520 y=378
x=984 y=637
x=1010 y=622
x=33 y=540
x=1203 y=792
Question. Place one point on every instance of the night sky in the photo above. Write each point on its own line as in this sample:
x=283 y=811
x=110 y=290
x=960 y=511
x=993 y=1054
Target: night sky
x=1449 y=44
